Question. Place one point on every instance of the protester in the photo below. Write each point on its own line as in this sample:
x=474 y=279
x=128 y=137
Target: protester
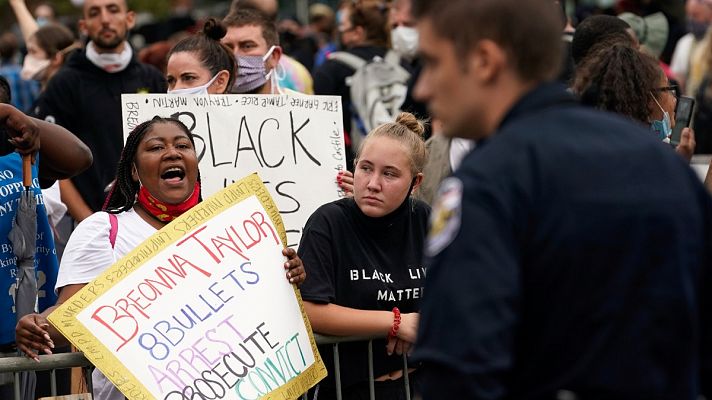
x=61 y=155
x=291 y=74
x=621 y=79
x=200 y=64
x=85 y=97
x=253 y=39
x=570 y=250
x=687 y=63
x=47 y=50
x=363 y=256
x=596 y=29
x=364 y=34
x=404 y=41
x=322 y=24
x=157 y=180
x=47 y=42
x=702 y=119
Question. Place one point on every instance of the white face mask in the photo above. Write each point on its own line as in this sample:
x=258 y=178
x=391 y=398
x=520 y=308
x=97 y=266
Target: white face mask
x=404 y=40
x=110 y=62
x=34 y=68
x=200 y=90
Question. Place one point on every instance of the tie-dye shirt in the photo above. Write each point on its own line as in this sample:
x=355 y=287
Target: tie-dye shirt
x=294 y=76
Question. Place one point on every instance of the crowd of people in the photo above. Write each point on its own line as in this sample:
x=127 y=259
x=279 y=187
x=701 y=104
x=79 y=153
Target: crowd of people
x=568 y=246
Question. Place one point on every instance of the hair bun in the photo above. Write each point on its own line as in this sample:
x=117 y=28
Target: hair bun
x=409 y=121
x=214 y=29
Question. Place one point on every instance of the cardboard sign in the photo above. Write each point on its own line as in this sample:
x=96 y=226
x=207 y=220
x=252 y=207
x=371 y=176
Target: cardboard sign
x=202 y=307
x=295 y=143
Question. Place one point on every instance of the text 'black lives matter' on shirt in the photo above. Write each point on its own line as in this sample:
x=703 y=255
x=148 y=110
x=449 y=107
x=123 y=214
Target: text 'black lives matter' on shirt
x=365 y=263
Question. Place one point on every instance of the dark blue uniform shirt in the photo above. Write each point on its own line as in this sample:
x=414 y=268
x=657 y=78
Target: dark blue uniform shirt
x=570 y=251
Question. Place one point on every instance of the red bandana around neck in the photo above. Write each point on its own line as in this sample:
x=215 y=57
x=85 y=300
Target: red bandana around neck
x=167 y=212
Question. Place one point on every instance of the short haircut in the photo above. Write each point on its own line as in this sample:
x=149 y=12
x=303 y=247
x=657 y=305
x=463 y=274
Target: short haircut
x=594 y=30
x=529 y=31
x=247 y=16
x=5 y=92
x=212 y=54
x=53 y=38
x=372 y=16
x=618 y=78
x=122 y=3
x=258 y=5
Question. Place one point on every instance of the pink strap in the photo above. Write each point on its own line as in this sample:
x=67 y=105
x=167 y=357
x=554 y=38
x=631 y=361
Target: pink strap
x=114 y=229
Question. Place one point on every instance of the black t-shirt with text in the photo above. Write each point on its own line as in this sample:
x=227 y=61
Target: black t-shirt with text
x=365 y=263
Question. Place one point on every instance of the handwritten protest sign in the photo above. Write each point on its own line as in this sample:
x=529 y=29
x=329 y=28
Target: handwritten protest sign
x=295 y=143
x=201 y=309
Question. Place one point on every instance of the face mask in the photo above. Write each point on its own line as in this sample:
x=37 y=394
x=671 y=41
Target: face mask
x=405 y=41
x=662 y=128
x=697 y=29
x=251 y=72
x=201 y=90
x=110 y=62
x=34 y=68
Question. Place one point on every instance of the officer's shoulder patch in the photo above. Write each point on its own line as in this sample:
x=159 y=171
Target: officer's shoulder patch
x=446 y=216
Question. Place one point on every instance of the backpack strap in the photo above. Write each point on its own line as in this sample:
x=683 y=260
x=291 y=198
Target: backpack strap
x=352 y=61
x=114 y=222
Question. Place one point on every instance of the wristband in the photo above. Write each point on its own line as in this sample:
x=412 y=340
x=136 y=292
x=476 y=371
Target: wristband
x=396 y=323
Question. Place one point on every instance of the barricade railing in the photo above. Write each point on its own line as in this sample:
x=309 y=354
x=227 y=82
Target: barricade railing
x=336 y=340
x=53 y=362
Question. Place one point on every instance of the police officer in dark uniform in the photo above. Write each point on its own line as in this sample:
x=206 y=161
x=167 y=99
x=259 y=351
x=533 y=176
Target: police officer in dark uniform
x=570 y=251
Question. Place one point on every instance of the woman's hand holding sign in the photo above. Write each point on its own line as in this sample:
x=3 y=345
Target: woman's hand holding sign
x=295 y=269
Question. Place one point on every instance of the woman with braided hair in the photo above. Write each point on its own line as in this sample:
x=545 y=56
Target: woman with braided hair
x=156 y=181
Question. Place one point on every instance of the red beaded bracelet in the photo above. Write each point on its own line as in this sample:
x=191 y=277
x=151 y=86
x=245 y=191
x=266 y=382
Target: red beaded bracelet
x=396 y=322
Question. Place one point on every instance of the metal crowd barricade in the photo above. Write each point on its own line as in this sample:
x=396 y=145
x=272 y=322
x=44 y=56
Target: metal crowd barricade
x=335 y=340
x=53 y=362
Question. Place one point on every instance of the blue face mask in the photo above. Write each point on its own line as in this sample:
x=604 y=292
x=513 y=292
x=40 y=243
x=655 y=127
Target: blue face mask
x=662 y=128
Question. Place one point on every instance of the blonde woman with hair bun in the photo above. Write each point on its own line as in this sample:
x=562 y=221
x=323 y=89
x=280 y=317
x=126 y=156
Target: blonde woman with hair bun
x=363 y=255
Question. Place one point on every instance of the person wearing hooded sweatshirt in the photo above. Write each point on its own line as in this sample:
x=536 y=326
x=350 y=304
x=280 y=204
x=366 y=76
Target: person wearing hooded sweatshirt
x=85 y=97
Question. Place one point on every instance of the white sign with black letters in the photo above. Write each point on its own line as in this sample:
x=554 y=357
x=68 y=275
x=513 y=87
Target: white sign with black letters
x=295 y=143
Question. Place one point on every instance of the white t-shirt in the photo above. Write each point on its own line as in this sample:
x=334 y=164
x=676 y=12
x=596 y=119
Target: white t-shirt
x=53 y=203
x=681 y=56
x=89 y=253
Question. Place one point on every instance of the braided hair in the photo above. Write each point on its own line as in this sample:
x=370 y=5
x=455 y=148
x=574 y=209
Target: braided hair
x=124 y=189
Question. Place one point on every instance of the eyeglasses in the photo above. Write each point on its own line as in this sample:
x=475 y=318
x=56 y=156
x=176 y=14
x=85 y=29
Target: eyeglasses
x=672 y=88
